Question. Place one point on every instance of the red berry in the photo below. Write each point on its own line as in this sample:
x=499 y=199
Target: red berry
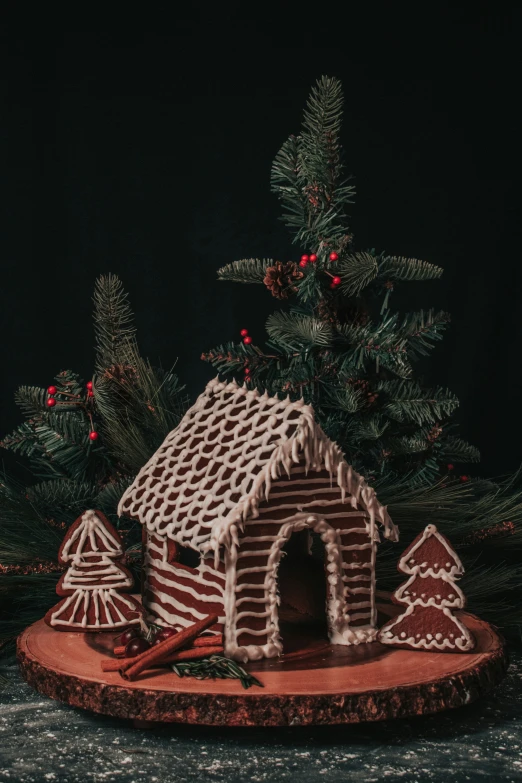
x=90 y=393
x=313 y=258
x=51 y=402
x=450 y=467
x=247 y=340
x=89 y=384
x=243 y=332
x=164 y=634
x=93 y=435
x=304 y=259
x=247 y=371
x=52 y=390
x=336 y=280
x=126 y=636
x=333 y=256
x=303 y=263
x=464 y=478
x=135 y=647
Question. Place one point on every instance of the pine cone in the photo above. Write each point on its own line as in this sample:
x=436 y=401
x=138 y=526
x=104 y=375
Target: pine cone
x=279 y=278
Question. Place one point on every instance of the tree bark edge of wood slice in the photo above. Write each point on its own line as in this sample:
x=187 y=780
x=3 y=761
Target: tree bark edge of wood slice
x=306 y=688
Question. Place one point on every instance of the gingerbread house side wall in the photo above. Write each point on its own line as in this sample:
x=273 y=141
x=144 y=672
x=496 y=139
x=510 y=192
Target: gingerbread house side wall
x=176 y=595
x=296 y=502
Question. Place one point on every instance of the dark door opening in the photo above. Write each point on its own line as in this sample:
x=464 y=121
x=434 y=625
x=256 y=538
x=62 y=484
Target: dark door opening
x=302 y=582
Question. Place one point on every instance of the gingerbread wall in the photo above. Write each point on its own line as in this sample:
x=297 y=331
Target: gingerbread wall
x=174 y=594
x=351 y=529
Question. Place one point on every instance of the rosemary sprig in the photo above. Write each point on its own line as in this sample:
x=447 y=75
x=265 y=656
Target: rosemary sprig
x=216 y=667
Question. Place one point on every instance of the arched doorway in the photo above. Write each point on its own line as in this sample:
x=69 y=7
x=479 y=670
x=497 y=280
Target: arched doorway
x=302 y=587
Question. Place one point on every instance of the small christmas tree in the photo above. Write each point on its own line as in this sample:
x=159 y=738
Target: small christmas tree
x=430 y=595
x=83 y=441
x=338 y=341
x=91 y=584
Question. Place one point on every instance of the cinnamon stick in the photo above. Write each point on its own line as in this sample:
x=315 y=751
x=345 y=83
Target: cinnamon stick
x=160 y=651
x=192 y=654
x=119 y=651
x=215 y=640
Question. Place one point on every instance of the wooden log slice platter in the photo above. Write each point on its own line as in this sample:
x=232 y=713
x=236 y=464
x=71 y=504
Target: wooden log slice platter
x=313 y=683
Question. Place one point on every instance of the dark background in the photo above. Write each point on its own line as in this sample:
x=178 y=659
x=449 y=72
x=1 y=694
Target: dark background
x=143 y=147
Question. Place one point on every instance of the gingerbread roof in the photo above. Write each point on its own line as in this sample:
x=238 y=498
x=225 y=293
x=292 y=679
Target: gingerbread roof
x=211 y=471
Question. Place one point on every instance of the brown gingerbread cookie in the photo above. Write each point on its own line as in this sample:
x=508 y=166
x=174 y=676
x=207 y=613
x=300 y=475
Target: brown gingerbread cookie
x=430 y=594
x=91 y=587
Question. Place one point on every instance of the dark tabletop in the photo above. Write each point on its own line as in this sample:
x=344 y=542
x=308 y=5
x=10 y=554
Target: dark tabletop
x=43 y=740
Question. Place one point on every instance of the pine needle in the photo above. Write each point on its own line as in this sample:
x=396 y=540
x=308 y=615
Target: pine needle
x=216 y=667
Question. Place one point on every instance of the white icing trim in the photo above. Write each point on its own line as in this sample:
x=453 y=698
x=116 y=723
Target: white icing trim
x=430 y=530
x=339 y=612
x=152 y=570
x=458 y=602
x=86 y=597
x=104 y=576
x=195 y=575
x=90 y=527
x=253 y=428
x=463 y=643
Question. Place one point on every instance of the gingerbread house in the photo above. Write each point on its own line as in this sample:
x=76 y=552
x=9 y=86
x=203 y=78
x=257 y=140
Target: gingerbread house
x=245 y=484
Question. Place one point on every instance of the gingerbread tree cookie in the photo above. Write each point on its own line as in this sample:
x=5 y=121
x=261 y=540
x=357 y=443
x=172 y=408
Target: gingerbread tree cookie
x=91 y=586
x=431 y=593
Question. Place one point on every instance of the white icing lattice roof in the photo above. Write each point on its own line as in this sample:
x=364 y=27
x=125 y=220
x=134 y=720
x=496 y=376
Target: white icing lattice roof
x=211 y=471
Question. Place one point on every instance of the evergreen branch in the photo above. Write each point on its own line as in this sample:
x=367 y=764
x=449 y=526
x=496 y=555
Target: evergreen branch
x=370 y=428
x=248 y=270
x=286 y=182
x=452 y=448
x=113 y=322
x=406 y=401
x=230 y=357
x=32 y=400
x=357 y=270
x=379 y=342
x=295 y=330
x=406 y=269
x=26 y=535
x=421 y=330
x=345 y=399
x=324 y=108
x=409 y=444
x=64 y=438
x=307 y=173
x=62 y=500
x=492 y=592
x=140 y=405
x=22 y=440
x=216 y=667
x=25 y=598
